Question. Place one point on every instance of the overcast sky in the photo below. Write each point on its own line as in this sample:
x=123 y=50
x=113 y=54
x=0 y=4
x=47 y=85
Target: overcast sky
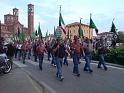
x=47 y=12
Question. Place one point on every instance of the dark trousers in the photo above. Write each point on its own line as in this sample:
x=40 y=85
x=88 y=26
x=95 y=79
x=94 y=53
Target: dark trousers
x=23 y=56
x=101 y=61
x=76 y=62
x=49 y=55
x=40 y=56
x=65 y=59
x=29 y=54
x=88 y=58
x=35 y=56
x=53 y=60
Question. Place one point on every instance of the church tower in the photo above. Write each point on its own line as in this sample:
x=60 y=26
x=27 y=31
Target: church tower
x=15 y=15
x=30 y=19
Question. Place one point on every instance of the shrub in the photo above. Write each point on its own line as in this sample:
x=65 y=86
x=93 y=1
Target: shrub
x=114 y=55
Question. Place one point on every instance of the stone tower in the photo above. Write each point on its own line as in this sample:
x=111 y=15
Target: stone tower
x=30 y=19
x=15 y=15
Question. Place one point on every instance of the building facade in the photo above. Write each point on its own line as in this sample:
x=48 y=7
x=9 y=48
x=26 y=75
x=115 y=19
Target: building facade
x=11 y=23
x=73 y=28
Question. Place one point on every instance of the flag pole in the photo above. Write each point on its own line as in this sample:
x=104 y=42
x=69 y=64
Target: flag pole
x=89 y=25
x=59 y=16
x=113 y=19
x=60 y=9
x=80 y=25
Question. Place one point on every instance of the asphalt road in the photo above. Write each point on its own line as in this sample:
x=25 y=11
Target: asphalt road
x=17 y=81
x=100 y=81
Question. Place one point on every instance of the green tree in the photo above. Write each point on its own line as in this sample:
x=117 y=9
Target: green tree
x=120 y=37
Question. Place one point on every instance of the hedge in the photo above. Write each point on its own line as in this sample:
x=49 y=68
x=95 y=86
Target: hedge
x=114 y=55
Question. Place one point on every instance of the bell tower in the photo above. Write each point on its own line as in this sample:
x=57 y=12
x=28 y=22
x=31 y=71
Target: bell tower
x=15 y=14
x=30 y=19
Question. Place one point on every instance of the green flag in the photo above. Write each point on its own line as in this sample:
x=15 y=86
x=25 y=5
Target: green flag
x=46 y=35
x=55 y=32
x=92 y=25
x=80 y=31
x=61 y=22
x=33 y=36
x=36 y=33
x=23 y=36
x=39 y=30
x=26 y=35
x=18 y=34
x=113 y=28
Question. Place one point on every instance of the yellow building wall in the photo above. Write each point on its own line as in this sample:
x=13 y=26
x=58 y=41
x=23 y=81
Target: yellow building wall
x=88 y=32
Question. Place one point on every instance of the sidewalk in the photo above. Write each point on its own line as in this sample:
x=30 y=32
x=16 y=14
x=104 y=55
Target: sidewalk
x=18 y=81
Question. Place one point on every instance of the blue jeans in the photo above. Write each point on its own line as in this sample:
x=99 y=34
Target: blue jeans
x=88 y=58
x=40 y=56
x=59 y=67
x=101 y=61
x=65 y=59
x=53 y=60
x=16 y=51
x=35 y=56
x=49 y=55
x=29 y=54
x=76 y=62
x=19 y=54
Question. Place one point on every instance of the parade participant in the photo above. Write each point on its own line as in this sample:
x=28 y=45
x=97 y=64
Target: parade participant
x=19 y=45
x=71 y=48
x=34 y=50
x=48 y=49
x=24 y=49
x=10 y=52
x=88 y=49
x=59 y=54
x=53 y=46
x=29 y=46
x=101 y=52
x=66 y=53
x=40 y=51
x=76 y=55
